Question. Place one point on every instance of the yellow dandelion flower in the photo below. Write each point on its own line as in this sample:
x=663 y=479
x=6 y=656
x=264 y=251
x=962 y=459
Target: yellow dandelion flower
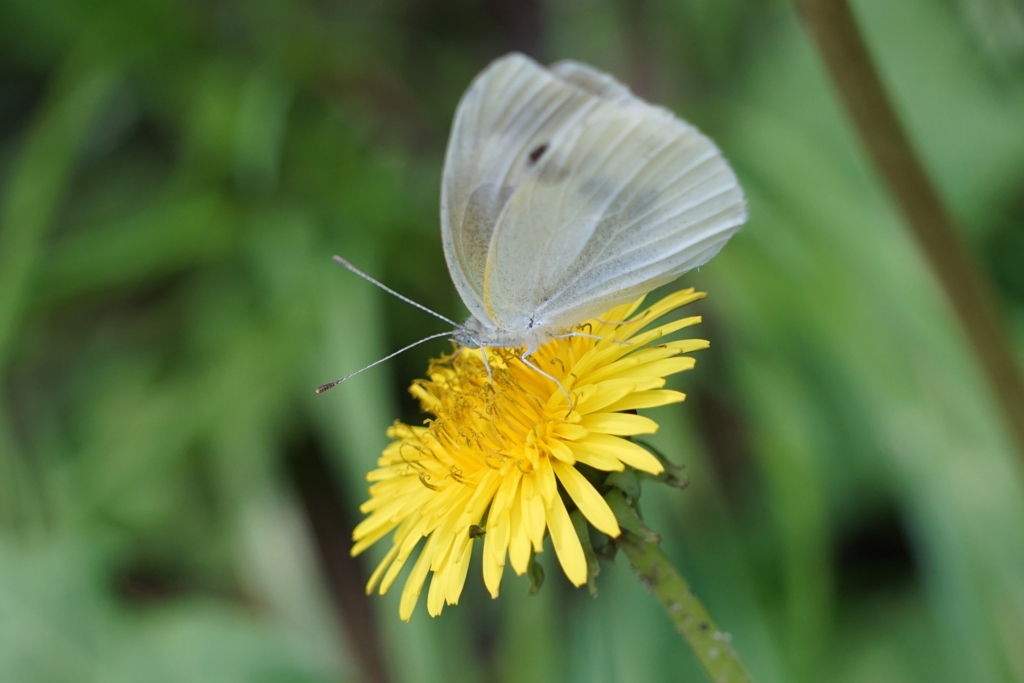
x=500 y=448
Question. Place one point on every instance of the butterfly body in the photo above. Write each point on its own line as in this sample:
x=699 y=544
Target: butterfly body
x=475 y=333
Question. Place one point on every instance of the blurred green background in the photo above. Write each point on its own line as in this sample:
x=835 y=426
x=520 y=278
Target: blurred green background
x=175 y=501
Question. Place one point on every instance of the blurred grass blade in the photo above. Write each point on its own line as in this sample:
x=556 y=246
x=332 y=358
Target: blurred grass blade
x=30 y=202
x=37 y=184
x=968 y=290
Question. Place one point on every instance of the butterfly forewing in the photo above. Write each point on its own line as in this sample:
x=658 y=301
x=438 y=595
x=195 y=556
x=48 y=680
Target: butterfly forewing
x=504 y=124
x=565 y=195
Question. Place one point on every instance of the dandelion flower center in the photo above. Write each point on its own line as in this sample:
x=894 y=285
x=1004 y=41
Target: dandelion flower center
x=499 y=453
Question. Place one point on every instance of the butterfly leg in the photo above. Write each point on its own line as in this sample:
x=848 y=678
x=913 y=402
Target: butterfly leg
x=525 y=358
x=487 y=364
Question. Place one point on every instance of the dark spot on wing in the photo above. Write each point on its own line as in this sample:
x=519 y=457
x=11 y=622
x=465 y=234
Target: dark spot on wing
x=538 y=152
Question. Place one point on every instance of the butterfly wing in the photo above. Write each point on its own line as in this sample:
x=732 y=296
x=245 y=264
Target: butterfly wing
x=628 y=199
x=510 y=111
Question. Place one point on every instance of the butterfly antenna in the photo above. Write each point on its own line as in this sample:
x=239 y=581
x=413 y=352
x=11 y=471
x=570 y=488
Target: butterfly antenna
x=393 y=293
x=330 y=385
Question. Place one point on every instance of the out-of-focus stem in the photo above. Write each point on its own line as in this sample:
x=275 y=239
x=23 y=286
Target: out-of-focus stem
x=843 y=50
x=326 y=513
x=688 y=614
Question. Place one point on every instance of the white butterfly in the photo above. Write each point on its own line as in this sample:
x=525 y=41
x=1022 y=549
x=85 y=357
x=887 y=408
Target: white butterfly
x=565 y=195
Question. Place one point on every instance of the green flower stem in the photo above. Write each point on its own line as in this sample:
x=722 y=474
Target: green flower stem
x=967 y=288
x=642 y=546
x=687 y=612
